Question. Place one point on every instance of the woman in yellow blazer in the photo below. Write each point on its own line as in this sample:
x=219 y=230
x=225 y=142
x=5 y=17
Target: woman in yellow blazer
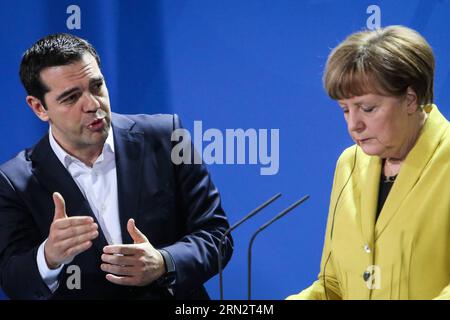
x=388 y=231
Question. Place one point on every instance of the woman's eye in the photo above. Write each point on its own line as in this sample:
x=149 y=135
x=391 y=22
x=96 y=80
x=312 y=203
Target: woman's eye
x=368 y=109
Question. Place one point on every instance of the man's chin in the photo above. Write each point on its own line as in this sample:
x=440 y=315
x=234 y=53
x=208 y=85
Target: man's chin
x=97 y=138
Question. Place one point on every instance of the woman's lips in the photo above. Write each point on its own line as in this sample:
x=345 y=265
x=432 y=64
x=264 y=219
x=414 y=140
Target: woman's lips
x=364 y=140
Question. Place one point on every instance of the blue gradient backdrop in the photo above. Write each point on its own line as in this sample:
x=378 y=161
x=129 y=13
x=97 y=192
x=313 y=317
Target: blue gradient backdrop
x=231 y=64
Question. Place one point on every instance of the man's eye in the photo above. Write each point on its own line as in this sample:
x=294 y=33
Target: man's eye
x=71 y=99
x=97 y=87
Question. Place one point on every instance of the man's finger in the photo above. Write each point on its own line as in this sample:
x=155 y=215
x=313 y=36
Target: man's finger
x=60 y=206
x=124 y=281
x=126 y=249
x=120 y=260
x=74 y=242
x=118 y=270
x=73 y=251
x=76 y=231
x=73 y=221
x=135 y=233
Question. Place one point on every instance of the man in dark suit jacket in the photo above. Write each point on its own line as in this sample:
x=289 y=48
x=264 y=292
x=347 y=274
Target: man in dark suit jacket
x=98 y=209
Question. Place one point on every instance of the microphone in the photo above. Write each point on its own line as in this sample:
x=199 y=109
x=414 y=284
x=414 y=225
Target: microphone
x=264 y=226
x=237 y=224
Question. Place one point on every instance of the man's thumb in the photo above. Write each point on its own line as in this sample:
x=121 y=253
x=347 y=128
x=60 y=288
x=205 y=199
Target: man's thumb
x=60 y=206
x=135 y=233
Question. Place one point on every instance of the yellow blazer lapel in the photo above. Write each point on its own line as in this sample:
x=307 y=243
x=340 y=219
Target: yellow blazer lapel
x=412 y=167
x=369 y=197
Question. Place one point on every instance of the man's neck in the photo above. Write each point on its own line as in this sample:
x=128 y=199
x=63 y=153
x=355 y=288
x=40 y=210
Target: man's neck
x=87 y=154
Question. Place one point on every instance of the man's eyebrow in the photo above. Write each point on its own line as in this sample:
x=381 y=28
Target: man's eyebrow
x=66 y=93
x=96 y=79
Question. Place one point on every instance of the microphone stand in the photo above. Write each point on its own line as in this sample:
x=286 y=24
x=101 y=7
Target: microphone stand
x=264 y=226
x=237 y=224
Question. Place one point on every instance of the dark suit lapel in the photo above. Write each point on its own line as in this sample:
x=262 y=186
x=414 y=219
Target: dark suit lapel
x=129 y=151
x=53 y=176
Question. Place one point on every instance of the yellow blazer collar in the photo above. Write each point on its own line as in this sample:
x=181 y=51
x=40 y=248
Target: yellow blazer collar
x=409 y=174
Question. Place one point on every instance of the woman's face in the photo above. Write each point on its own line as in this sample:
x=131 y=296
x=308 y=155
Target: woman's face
x=382 y=125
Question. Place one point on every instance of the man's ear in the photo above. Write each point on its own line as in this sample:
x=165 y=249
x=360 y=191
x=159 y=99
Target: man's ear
x=37 y=107
x=411 y=101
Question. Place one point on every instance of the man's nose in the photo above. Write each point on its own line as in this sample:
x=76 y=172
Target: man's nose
x=91 y=104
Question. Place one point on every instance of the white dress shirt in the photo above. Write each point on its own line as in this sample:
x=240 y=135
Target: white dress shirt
x=99 y=186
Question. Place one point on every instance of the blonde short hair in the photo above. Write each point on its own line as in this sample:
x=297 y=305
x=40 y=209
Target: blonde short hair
x=385 y=61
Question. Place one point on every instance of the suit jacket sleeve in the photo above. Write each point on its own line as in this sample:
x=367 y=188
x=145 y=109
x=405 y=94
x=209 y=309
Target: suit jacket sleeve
x=195 y=254
x=19 y=274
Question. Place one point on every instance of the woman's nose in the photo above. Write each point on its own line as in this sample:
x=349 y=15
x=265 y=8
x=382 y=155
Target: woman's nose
x=354 y=122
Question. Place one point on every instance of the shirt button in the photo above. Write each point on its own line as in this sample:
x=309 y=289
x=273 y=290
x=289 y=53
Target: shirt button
x=367 y=248
x=103 y=208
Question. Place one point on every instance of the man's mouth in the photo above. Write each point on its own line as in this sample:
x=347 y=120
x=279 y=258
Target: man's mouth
x=97 y=124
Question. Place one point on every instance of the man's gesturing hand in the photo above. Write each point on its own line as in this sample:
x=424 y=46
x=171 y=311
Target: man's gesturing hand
x=68 y=236
x=135 y=264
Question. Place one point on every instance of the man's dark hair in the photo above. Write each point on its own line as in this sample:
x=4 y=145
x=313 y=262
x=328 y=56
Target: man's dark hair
x=53 y=50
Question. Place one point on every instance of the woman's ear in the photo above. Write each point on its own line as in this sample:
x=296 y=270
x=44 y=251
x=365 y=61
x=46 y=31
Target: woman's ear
x=38 y=108
x=412 y=103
